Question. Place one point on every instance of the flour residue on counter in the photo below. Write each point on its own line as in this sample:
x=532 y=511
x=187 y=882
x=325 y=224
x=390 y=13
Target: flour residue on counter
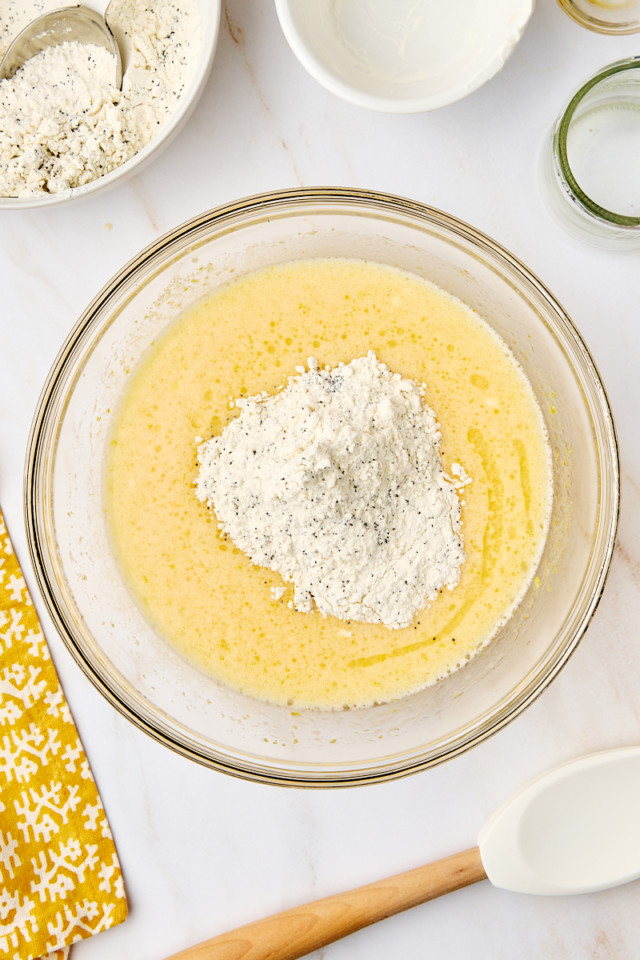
x=337 y=484
x=63 y=122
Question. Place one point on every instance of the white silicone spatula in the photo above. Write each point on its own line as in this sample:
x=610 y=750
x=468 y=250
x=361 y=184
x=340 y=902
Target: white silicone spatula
x=575 y=829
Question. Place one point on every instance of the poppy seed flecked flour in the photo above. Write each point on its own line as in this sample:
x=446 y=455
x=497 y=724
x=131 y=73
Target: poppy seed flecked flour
x=336 y=483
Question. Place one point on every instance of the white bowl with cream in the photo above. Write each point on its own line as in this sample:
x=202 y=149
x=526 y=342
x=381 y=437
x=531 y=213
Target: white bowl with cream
x=405 y=56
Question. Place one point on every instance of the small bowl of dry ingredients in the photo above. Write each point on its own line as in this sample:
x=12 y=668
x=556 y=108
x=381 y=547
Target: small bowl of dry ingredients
x=66 y=130
x=323 y=488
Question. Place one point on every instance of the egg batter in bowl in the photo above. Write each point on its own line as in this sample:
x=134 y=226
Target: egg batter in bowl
x=231 y=618
x=189 y=314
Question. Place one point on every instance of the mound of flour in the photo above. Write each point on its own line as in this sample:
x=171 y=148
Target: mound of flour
x=336 y=483
x=63 y=123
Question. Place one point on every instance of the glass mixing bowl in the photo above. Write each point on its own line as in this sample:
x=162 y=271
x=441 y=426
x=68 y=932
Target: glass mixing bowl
x=98 y=618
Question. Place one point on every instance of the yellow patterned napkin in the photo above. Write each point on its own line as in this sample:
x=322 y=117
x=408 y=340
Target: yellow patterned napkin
x=60 y=879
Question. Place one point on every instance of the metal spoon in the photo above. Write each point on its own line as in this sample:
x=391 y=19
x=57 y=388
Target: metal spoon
x=573 y=830
x=75 y=23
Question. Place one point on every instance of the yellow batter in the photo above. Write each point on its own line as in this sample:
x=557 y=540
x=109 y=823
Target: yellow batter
x=205 y=596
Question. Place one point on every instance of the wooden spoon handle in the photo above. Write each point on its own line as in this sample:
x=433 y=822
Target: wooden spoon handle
x=296 y=932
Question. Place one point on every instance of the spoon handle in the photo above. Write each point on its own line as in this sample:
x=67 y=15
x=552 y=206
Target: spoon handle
x=297 y=932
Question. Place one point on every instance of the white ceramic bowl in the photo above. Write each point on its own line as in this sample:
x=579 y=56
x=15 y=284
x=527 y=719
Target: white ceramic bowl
x=403 y=57
x=210 y=20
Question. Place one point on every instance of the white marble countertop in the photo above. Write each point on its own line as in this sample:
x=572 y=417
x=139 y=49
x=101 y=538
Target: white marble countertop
x=202 y=852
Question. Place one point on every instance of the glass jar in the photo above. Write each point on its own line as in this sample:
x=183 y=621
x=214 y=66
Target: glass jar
x=605 y=16
x=592 y=162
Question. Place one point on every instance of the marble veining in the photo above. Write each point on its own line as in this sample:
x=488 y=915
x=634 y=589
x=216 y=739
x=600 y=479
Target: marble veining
x=202 y=852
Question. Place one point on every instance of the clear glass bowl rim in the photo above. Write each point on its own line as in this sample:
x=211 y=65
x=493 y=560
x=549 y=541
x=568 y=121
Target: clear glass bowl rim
x=230 y=216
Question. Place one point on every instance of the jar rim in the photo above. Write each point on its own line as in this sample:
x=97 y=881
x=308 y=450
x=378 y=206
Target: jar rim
x=593 y=208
